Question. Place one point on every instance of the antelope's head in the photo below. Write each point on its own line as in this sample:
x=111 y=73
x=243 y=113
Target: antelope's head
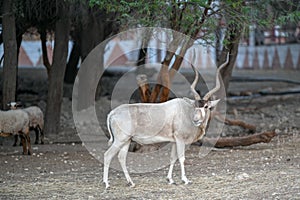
x=203 y=106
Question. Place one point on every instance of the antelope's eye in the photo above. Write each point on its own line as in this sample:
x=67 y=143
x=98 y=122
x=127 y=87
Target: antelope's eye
x=206 y=106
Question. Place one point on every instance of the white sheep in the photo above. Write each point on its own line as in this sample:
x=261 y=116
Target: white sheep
x=16 y=122
x=36 y=120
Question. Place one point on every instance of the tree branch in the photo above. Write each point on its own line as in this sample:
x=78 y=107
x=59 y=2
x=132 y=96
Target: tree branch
x=232 y=122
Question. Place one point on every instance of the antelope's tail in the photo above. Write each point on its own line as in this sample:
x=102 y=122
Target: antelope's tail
x=111 y=137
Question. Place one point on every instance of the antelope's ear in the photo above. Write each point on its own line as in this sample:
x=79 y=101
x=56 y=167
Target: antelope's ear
x=213 y=104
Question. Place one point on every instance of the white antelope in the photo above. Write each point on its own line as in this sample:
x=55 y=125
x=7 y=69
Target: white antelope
x=180 y=121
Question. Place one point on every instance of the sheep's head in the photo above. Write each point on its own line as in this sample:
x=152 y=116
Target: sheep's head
x=14 y=105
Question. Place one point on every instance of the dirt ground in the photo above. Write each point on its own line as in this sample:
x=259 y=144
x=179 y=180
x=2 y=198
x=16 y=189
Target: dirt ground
x=64 y=169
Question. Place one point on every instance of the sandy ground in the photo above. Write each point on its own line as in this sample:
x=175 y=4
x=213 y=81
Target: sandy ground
x=64 y=169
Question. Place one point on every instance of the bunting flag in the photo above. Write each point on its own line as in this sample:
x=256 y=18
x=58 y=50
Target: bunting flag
x=255 y=62
x=276 y=62
x=121 y=53
x=266 y=63
x=288 y=63
x=24 y=59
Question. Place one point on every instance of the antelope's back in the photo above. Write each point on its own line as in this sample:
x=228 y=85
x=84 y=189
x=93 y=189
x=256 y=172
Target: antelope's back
x=145 y=119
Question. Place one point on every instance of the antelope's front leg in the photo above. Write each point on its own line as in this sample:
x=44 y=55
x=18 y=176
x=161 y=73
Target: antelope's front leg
x=181 y=155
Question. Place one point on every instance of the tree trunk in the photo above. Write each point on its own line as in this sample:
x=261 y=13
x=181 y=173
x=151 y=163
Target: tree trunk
x=90 y=31
x=233 y=35
x=57 y=70
x=46 y=62
x=10 y=54
x=87 y=79
x=227 y=71
x=163 y=77
x=172 y=72
x=143 y=52
x=71 y=70
x=91 y=34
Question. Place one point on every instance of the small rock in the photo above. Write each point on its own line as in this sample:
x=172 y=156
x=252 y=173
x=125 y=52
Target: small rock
x=279 y=107
x=285 y=119
x=242 y=176
x=246 y=93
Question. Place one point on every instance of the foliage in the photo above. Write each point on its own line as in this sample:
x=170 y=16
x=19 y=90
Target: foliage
x=177 y=15
x=186 y=16
x=286 y=11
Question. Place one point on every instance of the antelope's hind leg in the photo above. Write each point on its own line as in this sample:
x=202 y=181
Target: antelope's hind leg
x=108 y=156
x=173 y=159
x=122 y=159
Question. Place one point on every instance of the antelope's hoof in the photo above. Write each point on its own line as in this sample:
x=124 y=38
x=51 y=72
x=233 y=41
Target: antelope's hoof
x=106 y=185
x=186 y=181
x=171 y=181
x=131 y=184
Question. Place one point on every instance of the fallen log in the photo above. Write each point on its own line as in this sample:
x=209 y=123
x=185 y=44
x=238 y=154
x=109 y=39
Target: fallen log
x=223 y=142
x=232 y=122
